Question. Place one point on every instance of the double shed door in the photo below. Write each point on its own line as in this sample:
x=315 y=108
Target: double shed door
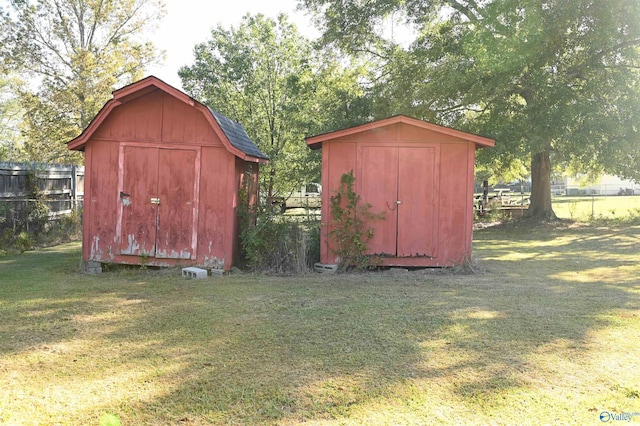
x=403 y=182
x=158 y=202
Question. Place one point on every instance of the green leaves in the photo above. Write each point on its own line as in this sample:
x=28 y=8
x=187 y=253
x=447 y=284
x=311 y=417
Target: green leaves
x=350 y=225
x=266 y=76
x=255 y=73
x=557 y=77
x=78 y=52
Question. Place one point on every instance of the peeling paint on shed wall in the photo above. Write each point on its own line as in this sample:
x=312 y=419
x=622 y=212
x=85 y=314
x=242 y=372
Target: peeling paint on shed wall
x=162 y=180
x=158 y=189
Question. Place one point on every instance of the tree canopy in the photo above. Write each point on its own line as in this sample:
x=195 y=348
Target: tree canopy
x=10 y=116
x=552 y=81
x=268 y=77
x=75 y=52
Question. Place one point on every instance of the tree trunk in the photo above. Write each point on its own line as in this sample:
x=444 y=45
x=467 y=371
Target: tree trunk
x=540 y=207
x=271 y=181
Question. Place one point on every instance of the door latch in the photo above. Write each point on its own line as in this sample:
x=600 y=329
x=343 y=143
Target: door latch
x=155 y=200
x=394 y=205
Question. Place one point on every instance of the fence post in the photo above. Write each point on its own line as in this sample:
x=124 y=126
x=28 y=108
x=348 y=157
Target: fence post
x=74 y=188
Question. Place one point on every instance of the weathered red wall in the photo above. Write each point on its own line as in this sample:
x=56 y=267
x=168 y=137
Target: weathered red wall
x=101 y=196
x=216 y=207
x=429 y=173
x=337 y=158
x=157 y=141
x=157 y=117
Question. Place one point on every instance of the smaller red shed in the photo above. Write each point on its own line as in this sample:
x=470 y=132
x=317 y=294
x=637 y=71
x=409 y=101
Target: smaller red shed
x=419 y=173
x=162 y=174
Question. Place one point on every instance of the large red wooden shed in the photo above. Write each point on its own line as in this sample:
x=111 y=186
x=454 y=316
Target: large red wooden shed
x=162 y=174
x=420 y=174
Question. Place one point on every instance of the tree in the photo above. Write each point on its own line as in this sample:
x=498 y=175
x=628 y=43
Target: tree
x=552 y=81
x=254 y=73
x=10 y=113
x=77 y=51
x=267 y=76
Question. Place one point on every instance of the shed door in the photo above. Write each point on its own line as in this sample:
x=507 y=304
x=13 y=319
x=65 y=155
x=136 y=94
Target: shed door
x=379 y=185
x=158 y=203
x=401 y=182
x=417 y=191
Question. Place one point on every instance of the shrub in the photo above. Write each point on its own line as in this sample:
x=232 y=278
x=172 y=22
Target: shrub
x=23 y=242
x=276 y=243
x=37 y=209
x=350 y=229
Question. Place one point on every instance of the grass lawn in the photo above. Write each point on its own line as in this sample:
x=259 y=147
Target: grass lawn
x=599 y=207
x=548 y=334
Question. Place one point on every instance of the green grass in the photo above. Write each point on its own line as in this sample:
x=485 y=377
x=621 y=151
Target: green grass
x=546 y=335
x=591 y=208
x=596 y=207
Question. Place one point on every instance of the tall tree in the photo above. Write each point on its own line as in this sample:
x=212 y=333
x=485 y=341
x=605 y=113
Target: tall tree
x=265 y=75
x=77 y=51
x=10 y=115
x=551 y=80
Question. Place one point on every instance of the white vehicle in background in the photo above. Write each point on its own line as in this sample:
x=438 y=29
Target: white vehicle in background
x=308 y=197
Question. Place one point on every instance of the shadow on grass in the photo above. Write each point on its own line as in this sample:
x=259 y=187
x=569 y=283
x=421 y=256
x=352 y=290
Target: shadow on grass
x=43 y=296
x=247 y=349
x=293 y=350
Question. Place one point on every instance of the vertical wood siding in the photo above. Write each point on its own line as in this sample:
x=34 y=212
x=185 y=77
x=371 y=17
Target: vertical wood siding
x=422 y=178
x=161 y=186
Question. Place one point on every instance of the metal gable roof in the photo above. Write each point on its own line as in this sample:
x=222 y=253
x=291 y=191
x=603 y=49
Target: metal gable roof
x=237 y=135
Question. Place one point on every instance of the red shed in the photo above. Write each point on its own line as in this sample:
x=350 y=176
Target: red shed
x=419 y=173
x=162 y=173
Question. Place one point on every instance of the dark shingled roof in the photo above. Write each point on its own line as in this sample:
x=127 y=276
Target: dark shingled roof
x=237 y=135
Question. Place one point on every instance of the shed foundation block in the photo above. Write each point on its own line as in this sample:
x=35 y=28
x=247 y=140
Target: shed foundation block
x=92 y=267
x=325 y=269
x=194 y=273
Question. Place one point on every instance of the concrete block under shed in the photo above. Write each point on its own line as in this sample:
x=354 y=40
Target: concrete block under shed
x=194 y=273
x=92 y=267
x=325 y=269
x=217 y=272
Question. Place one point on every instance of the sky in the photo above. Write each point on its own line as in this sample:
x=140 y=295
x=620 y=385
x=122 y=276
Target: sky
x=188 y=22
